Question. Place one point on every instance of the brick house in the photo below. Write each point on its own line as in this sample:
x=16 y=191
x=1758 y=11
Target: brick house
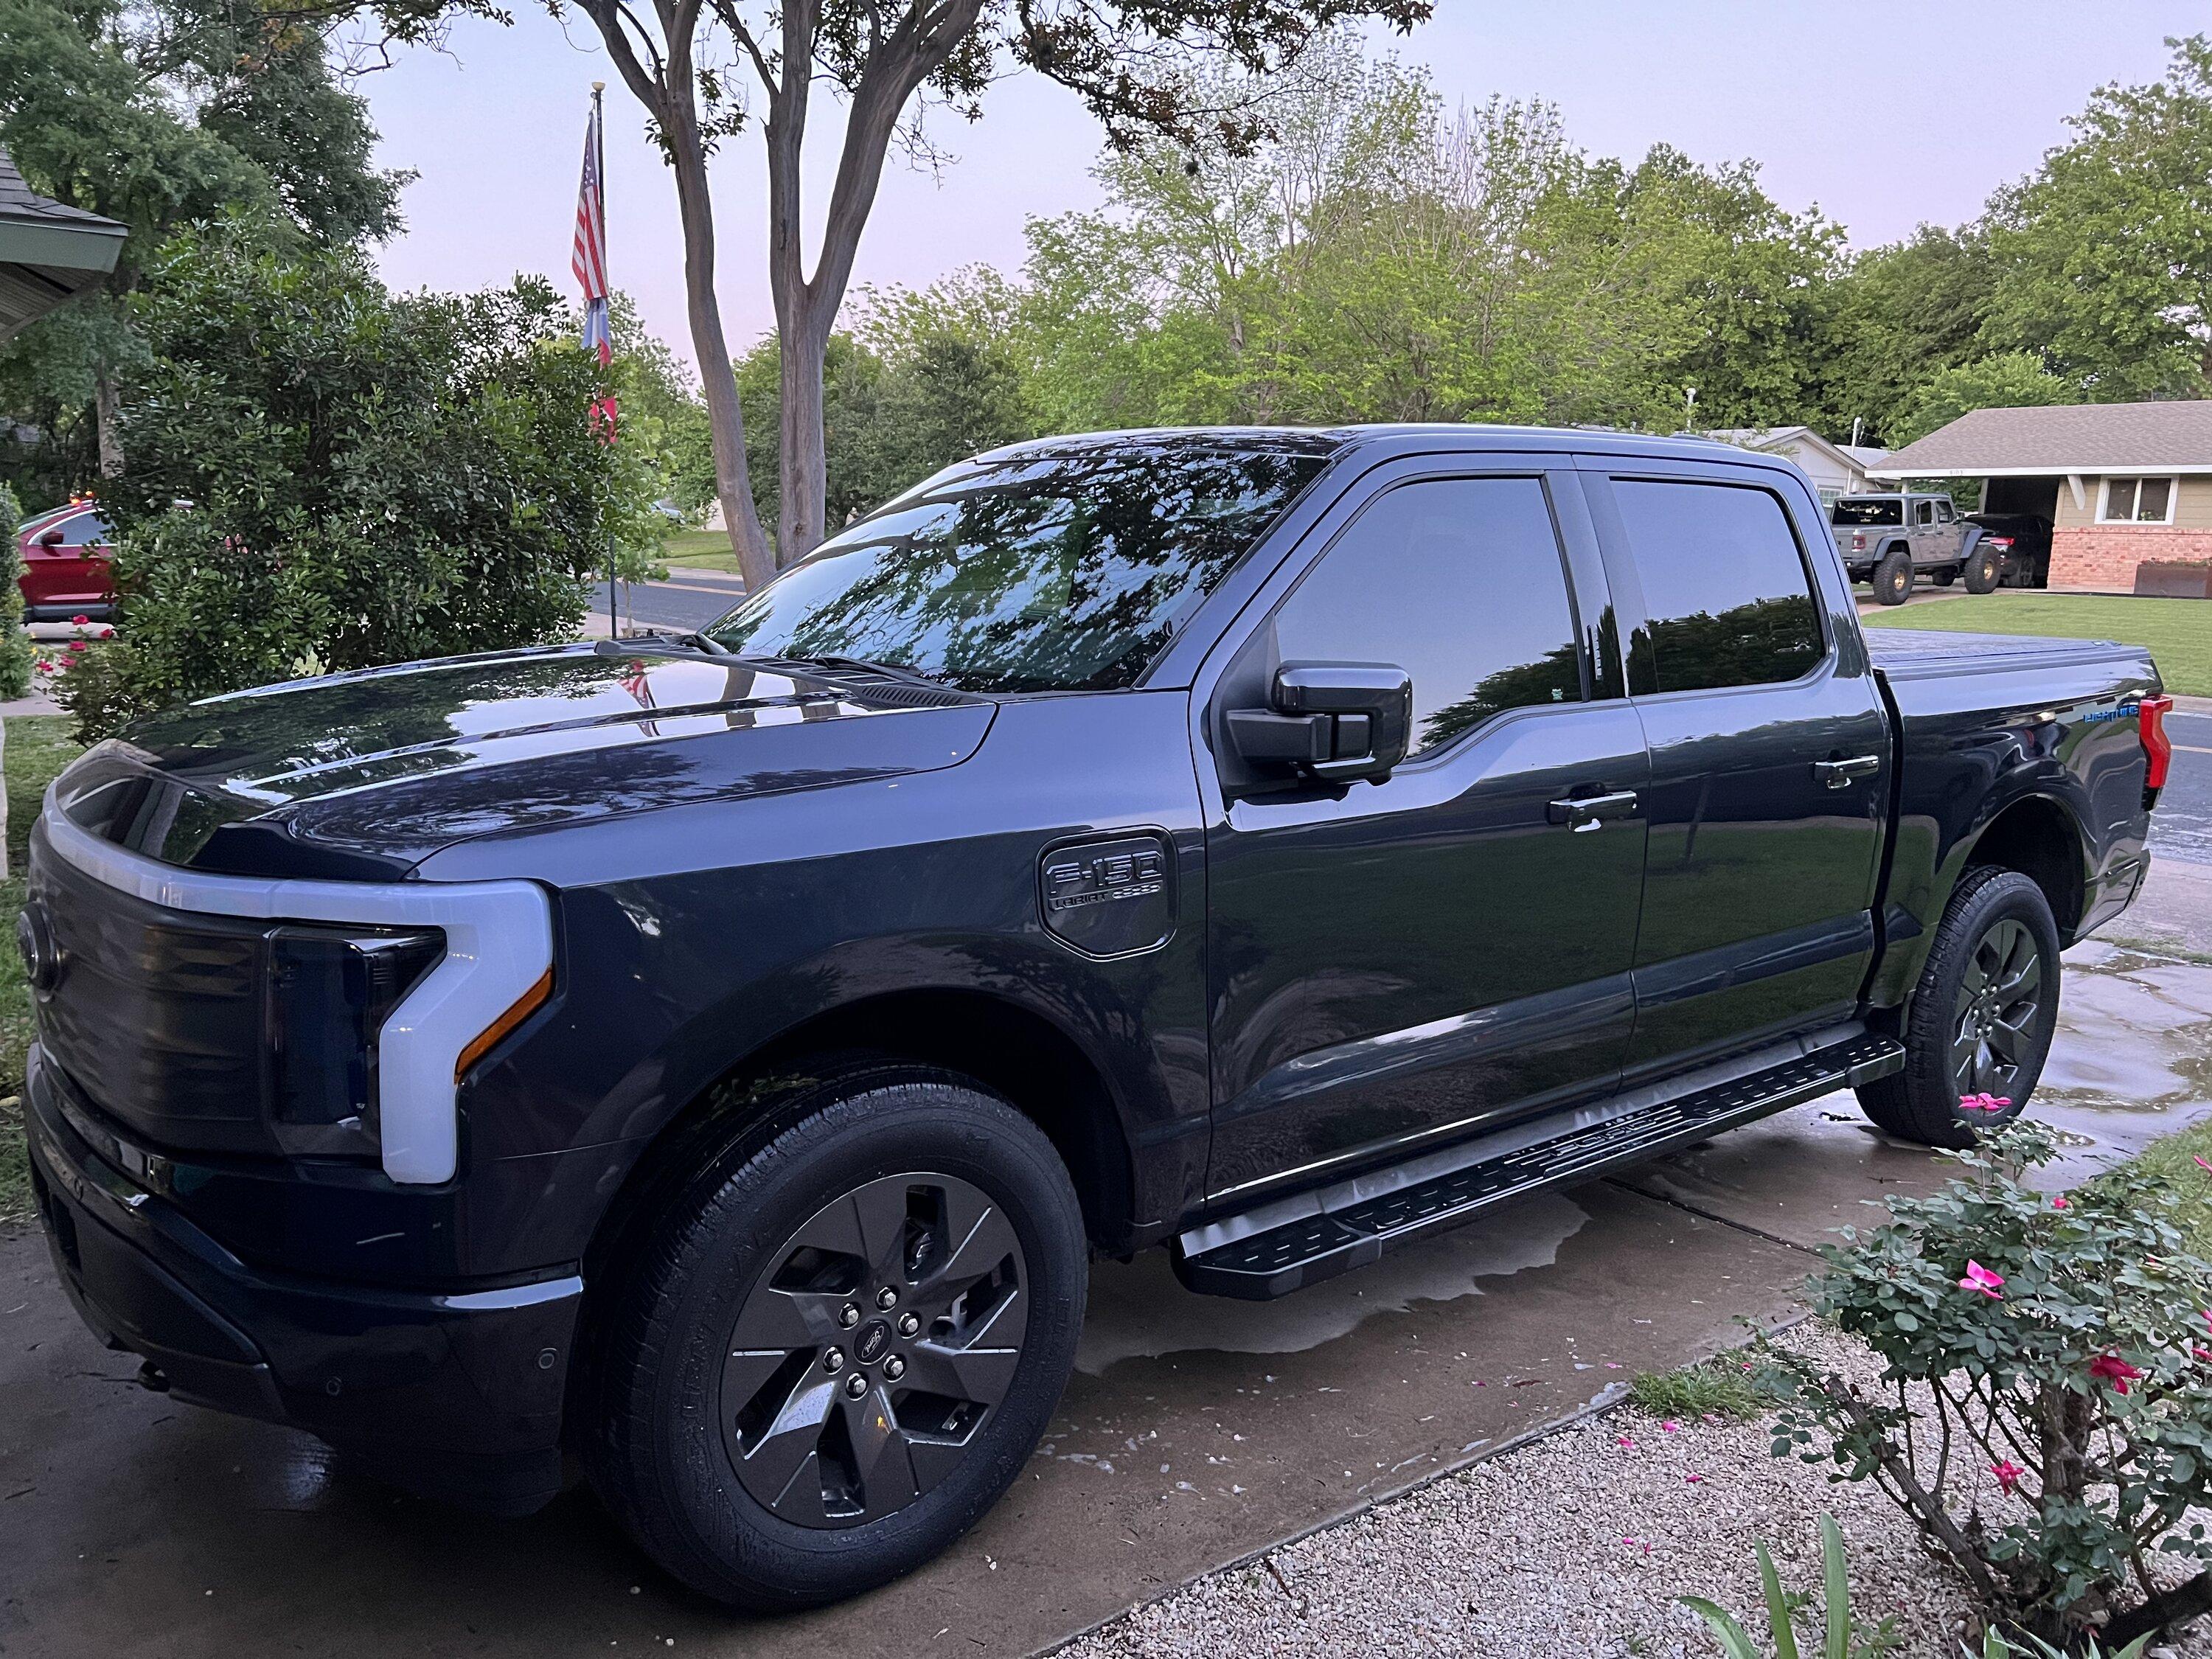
x=2124 y=485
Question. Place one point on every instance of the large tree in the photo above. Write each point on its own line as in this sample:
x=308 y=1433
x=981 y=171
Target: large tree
x=160 y=113
x=690 y=64
x=2106 y=249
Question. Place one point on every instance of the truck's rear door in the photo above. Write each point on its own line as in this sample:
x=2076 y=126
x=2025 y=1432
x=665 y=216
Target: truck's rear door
x=1770 y=753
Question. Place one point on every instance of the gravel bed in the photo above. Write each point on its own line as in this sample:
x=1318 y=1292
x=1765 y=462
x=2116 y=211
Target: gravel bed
x=1575 y=1545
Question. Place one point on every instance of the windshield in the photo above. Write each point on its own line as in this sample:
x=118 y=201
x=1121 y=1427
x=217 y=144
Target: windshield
x=1848 y=511
x=1063 y=571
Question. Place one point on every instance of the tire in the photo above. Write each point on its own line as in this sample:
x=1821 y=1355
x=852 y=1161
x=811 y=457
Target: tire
x=718 y=1430
x=1998 y=915
x=1944 y=577
x=1893 y=578
x=1983 y=570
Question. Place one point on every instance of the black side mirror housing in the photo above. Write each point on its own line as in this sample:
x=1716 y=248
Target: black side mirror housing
x=1339 y=721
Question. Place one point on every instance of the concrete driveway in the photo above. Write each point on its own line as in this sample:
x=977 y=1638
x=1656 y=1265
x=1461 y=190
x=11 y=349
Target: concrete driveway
x=1197 y=1432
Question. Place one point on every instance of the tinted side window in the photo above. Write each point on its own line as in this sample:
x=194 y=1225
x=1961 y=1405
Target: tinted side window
x=1458 y=582
x=1729 y=599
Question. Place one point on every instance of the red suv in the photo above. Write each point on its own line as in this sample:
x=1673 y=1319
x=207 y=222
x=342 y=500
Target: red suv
x=66 y=565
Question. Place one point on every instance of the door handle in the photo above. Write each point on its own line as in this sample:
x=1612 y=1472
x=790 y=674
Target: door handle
x=1840 y=773
x=1590 y=811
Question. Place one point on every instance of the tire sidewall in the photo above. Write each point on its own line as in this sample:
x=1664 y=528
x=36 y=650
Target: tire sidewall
x=2008 y=895
x=742 y=1211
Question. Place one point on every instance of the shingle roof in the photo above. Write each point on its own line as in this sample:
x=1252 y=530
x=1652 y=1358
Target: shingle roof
x=19 y=201
x=2076 y=438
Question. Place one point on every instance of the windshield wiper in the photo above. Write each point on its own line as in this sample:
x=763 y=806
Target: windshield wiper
x=897 y=671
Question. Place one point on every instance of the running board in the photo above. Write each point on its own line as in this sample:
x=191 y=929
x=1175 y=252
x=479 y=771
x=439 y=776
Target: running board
x=1352 y=1225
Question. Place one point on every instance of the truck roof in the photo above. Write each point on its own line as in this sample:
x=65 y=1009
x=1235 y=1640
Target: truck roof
x=1409 y=437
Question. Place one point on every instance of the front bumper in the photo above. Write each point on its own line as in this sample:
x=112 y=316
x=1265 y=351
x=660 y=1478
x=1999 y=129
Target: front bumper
x=451 y=1394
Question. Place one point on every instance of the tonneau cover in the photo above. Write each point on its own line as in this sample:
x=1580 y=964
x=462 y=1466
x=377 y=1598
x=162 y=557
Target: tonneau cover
x=1916 y=653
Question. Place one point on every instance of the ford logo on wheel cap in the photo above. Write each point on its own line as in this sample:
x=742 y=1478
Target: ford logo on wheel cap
x=34 y=939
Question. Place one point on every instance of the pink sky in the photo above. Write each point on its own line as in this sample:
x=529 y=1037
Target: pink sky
x=1883 y=114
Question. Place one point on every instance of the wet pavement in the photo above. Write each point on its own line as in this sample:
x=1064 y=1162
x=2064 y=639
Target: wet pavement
x=1196 y=1431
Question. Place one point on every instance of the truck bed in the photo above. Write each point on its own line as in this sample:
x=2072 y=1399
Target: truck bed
x=1912 y=654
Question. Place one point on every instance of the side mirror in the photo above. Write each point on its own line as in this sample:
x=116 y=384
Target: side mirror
x=1333 y=720
x=52 y=537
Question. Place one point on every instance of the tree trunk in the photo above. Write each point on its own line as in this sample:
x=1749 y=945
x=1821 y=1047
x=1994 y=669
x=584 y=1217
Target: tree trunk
x=106 y=410
x=802 y=502
x=725 y=417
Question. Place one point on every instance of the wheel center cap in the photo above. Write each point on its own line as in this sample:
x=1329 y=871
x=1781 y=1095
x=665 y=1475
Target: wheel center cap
x=872 y=1341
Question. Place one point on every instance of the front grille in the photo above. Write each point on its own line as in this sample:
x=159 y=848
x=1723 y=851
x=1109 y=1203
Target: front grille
x=155 y=1014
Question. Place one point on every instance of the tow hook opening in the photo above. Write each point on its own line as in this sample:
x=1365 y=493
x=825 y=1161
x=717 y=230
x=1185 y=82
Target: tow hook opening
x=152 y=1378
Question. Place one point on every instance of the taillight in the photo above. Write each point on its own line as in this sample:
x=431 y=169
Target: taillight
x=1858 y=541
x=2158 y=748
x=2003 y=543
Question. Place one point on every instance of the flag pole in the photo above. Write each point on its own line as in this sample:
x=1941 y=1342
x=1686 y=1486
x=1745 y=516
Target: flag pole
x=599 y=156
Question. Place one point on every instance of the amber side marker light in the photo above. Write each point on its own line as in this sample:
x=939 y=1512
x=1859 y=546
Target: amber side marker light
x=495 y=1033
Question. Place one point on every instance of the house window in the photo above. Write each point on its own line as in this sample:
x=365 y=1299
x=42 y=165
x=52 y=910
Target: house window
x=2137 y=500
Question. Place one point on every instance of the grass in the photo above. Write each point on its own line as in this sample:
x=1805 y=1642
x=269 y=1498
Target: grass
x=2169 y=1158
x=38 y=747
x=2178 y=631
x=699 y=549
x=1719 y=1387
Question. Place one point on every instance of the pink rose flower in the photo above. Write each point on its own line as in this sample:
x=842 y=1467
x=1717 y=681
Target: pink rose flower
x=1979 y=1277
x=2111 y=1368
x=2008 y=1473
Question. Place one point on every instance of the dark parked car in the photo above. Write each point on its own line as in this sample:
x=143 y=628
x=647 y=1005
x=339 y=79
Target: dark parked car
x=1891 y=540
x=719 y=1056
x=2022 y=542
x=67 y=569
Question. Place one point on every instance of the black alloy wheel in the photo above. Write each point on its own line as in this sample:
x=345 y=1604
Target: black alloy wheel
x=1983 y=1015
x=873 y=1350
x=830 y=1331
x=1998 y=1012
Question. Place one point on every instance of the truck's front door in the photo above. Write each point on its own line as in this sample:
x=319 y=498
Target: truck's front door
x=1394 y=963
x=1769 y=762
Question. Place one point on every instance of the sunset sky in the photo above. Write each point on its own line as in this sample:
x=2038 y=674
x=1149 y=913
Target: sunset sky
x=1883 y=114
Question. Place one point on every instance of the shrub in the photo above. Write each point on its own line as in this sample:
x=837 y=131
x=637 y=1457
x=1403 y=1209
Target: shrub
x=16 y=654
x=2045 y=1412
x=321 y=474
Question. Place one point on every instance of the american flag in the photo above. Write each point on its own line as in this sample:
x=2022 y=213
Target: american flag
x=589 y=262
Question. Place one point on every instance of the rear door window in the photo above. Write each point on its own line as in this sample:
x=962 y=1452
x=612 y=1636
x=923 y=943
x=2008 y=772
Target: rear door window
x=1727 y=592
x=1458 y=582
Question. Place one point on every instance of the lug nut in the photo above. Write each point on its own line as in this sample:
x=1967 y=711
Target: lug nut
x=856 y=1385
x=895 y=1368
x=908 y=1324
x=849 y=1315
x=887 y=1298
x=833 y=1360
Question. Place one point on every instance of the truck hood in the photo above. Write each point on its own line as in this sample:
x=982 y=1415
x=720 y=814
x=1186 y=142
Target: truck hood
x=365 y=774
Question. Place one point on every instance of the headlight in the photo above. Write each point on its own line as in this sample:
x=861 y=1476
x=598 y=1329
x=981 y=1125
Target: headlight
x=329 y=991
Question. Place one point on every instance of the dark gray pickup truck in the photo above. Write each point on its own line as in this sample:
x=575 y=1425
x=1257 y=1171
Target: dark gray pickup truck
x=1891 y=540
x=714 y=1060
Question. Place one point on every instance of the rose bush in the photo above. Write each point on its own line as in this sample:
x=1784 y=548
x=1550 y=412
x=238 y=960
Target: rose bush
x=2046 y=1411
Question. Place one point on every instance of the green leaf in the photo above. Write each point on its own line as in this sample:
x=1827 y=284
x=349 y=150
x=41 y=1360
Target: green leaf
x=1733 y=1642
x=1839 y=1587
x=1777 y=1606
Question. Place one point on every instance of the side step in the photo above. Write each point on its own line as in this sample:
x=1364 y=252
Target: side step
x=1348 y=1226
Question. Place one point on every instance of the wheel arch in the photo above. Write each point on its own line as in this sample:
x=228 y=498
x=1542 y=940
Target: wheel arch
x=1011 y=1049
x=2040 y=836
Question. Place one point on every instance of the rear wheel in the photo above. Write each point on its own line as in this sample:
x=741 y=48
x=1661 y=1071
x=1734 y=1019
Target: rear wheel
x=841 y=1343
x=1983 y=1015
x=1983 y=570
x=1893 y=578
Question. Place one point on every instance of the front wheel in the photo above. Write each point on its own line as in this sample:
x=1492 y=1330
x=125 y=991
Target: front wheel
x=1893 y=579
x=1983 y=1014
x=839 y=1348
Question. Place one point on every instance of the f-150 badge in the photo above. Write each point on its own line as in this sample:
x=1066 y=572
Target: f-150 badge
x=1108 y=898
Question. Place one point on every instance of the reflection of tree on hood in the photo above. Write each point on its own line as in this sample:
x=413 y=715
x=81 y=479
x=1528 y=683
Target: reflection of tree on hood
x=1062 y=569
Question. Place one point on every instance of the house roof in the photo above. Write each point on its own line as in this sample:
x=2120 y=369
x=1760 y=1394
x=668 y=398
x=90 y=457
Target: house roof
x=1776 y=439
x=2077 y=438
x=49 y=252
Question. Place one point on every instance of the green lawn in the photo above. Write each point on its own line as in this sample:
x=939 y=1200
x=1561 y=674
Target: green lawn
x=2178 y=631
x=699 y=549
x=38 y=747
